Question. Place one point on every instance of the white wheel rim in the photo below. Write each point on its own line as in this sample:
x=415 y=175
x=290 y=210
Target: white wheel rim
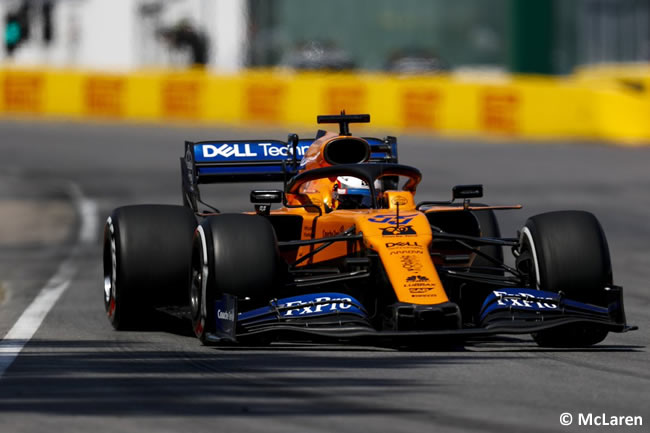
x=525 y=232
x=109 y=280
x=204 y=274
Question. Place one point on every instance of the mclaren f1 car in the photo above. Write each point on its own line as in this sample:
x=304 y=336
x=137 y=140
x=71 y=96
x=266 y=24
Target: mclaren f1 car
x=344 y=252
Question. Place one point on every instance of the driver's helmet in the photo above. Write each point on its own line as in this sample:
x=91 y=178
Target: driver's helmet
x=353 y=193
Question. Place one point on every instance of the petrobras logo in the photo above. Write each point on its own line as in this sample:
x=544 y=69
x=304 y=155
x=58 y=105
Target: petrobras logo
x=524 y=300
x=226 y=315
x=225 y=151
x=392 y=219
x=324 y=304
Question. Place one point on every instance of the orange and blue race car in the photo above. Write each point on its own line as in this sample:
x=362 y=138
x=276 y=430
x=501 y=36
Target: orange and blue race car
x=347 y=254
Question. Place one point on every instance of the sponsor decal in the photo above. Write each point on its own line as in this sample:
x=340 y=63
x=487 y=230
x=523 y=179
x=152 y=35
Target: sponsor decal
x=524 y=300
x=226 y=312
x=227 y=150
x=399 y=248
x=268 y=149
x=180 y=98
x=410 y=263
x=420 y=289
x=409 y=244
x=332 y=232
x=398 y=231
x=24 y=92
x=319 y=305
x=419 y=284
x=104 y=96
x=399 y=200
x=305 y=306
x=249 y=150
x=392 y=219
x=226 y=315
x=400 y=252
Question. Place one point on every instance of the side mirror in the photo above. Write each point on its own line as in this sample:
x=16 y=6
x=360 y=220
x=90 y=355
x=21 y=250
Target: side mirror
x=467 y=191
x=266 y=196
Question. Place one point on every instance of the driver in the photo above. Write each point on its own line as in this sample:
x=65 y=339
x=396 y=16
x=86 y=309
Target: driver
x=353 y=193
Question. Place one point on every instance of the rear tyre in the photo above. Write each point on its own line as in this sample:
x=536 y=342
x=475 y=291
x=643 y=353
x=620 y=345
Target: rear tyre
x=234 y=254
x=567 y=252
x=147 y=252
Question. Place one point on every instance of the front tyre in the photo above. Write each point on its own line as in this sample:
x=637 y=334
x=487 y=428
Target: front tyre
x=146 y=256
x=234 y=254
x=567 y=252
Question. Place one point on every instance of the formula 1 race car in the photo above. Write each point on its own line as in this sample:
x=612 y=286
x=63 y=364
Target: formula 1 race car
x=350 y=256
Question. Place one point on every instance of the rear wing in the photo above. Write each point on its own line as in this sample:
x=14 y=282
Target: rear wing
x=256 y=161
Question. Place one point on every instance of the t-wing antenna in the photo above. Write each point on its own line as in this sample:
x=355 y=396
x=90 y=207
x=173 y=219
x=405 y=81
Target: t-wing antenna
x=344 y=120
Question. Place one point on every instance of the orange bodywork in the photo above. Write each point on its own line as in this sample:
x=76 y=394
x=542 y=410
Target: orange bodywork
x=314 y=157
x=399 y=234
x=401 y=240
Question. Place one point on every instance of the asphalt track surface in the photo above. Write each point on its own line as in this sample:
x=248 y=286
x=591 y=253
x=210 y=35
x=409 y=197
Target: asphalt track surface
x=76 y=374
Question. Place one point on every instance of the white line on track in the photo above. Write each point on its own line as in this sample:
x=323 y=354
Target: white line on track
x=29 y=322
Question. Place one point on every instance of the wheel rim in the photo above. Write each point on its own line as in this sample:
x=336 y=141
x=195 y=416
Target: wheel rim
x=195 y=288
x=107 y=289
x=528 y=246
x=199 y=282
x=110 y=271
x=113 y=293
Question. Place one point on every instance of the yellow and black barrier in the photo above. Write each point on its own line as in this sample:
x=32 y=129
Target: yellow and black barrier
x=601 y=104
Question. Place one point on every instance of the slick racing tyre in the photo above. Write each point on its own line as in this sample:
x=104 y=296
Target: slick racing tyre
x=567 y=252
x=147 y=251
x=232 y=254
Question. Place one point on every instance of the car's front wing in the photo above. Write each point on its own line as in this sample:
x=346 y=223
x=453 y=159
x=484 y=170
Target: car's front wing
x=341 y=317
